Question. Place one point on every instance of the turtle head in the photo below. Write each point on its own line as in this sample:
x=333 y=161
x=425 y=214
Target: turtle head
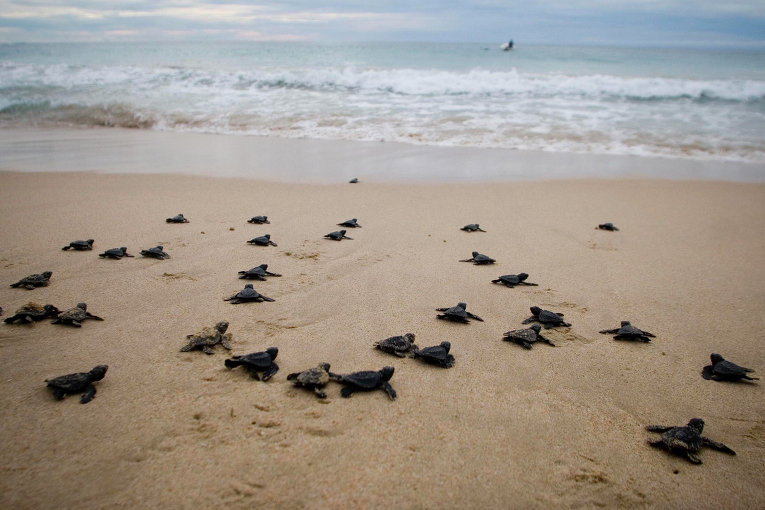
x=446 y=346
x=536 y=327
x=123 y=249
x=263 y=266
x=267 y=236
x=50 y=309
x=522 y=276
x=696 y=424
x=222 y=326
x=160 y=247
x=535 y=310
x=98 y=372
x=82 y=306
x=626 y=323
x=386 y=373
x=475 y=254
x=47 y=275
x=272 y=351
x=462 y=305
x=409 y=337
x=90 y=241
x=324 y=366
x=248 y=286
x=342 y=232
x=716 y=358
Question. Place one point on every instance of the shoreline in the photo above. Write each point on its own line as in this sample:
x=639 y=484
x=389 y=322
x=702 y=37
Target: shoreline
x=117 y=150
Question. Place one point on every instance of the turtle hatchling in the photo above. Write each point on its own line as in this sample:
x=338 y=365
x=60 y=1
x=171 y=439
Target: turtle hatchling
x=722 y=370
x=349 y=223
x=257 y=273
x=178 y=218
x=607 y=226
x=457 y=313
x=479 y=259
x=367 y=380
x=547 y=318
x=115 y=253
x=312 y=379
x=436 y=355
x=353 y=181
x=629 y=332
x=74 y=316
x=258 y=220
x=156 y=253
x=79 y=245
x=264 y=240
x=247 y=294
x=472 y=227
x=685 y=441
x=398 y=345
x=337 y=235
x=81 y=382
x=32 y=312
x=208 y=338
x=34 y=280
x=526 y=337
x=257 y=362
x=511 y=280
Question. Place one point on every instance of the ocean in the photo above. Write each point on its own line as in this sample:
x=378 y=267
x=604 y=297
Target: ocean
x=677 y=103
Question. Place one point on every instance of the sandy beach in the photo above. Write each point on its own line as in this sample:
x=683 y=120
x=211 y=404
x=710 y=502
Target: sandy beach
x=504 y=428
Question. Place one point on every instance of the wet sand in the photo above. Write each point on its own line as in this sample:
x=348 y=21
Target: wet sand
x=504 y=428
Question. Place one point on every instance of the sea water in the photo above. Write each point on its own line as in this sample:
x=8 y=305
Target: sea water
x=679 y=103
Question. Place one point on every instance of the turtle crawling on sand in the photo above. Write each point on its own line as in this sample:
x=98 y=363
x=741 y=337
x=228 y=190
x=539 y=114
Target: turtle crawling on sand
x=74 y=316
x=457 y=313
x=77 y=383
x=685 y=441
x=354 y=180
x=607 y=226
x=398 y=345
x=34 y=280
x=547 y=318
x=629 y=332
x=178 y=218
x=264 y=240
x=246 y=295
x=472 y=227
x=79 y=245
x=723 y=370
x=257 y=362
x=511 y=280
x=352 y=223
x=526 y=337
x=367 y=380
x=258 y=220
x=338 y=235
x=479 y=259
x=312 y=379
x=155 y=253
x=208 y=338
x=32 y=312
x=257 y=273
x=115 y=253
x=436 y=355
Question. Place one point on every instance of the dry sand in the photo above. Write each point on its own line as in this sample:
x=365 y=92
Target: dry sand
x=504 y=428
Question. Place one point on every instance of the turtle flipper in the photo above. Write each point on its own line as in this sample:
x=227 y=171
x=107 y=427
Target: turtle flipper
x=319 y=392
x=90 y=393
x=609 y=331
x=29 y=286
x=658 y=428
x=692 y=457
x=473 y=316
x=526 y=345
x=94 y=317
x=529 y=320
x=187 y=347
x=292 y=376
x=529 y=284
x=717 y=446
x=272 y=243
x=545 y=340
x=389 y=390
x=225 y=341
x=466 y=260
x=270 y=371
x=347 y=391
x=58 y=393
x=267 y=298
x=448 y=362
x=207 y=349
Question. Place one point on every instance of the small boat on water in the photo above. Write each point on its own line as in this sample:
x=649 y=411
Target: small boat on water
x=507 y=46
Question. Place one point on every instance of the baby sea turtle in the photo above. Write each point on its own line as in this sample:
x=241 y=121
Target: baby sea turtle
x=472 y=227
x=349 y=223
x=338 y=235
x=115 y=253
x=257 y=273
x=526 y=337
x=685 y=441
x=607 y=226
x=156 y=253
x=629 y=332
x=262 y=240
x=457 y=313
x=258 y=220
x=178 y=218
x=74 y=316
x=436 y=355
x=77 y=383
x=32 y=312
x=398 y=345
x=208 y=338
x=479 y=259
x=354 y=180
x=367 y=380
x=257 y=362
x=721 y=370
x=34 y=280
x=247 y=294
x=511 y=280
x=312 y=379
x=546 y=318
x=79 y=245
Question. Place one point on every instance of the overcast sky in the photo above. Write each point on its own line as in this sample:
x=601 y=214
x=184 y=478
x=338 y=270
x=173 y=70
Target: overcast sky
x=718 y=23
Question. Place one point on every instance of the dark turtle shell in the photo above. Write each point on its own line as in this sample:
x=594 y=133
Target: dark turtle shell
x=259 y=220
x=255 y=360
x=398 y=345
x=34 y=280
